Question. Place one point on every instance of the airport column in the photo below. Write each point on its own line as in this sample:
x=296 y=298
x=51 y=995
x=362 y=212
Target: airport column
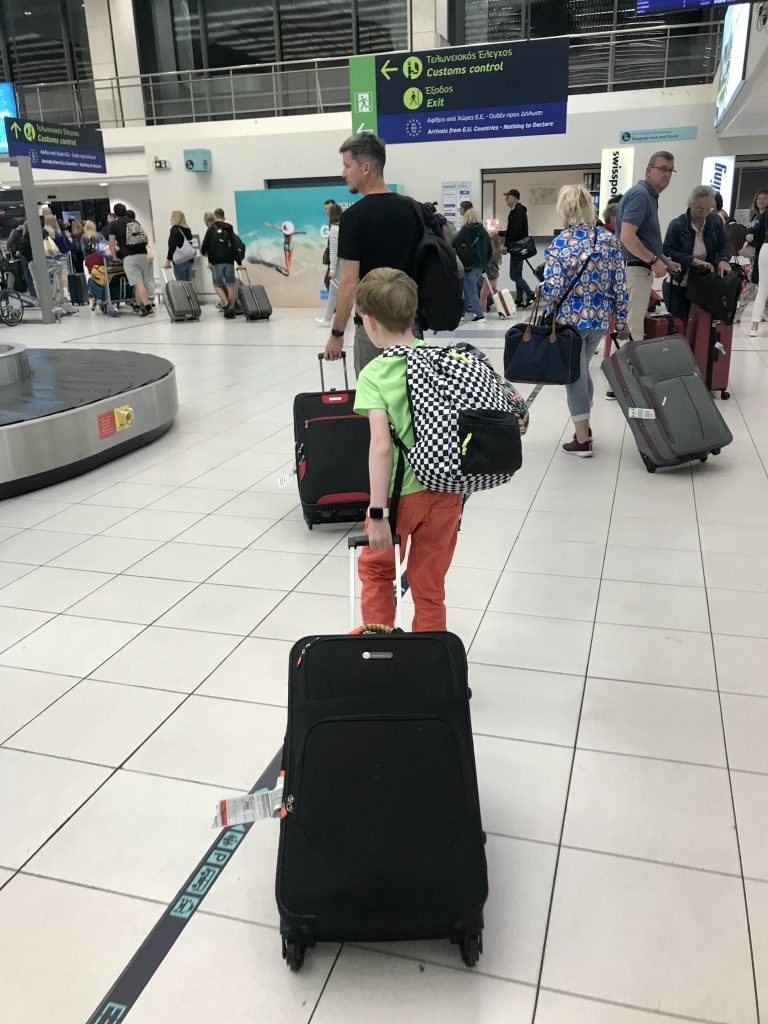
x=39 y=266
x=428 y=24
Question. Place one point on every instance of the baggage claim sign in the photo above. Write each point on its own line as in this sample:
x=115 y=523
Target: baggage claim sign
x=466 y=92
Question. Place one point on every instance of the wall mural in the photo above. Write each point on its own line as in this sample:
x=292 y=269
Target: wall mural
x=285 y=231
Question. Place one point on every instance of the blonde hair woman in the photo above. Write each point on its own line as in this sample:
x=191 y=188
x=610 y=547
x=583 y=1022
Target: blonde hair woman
x=473 y=247
x=56 y=247
x=180 y=238
x=584 y=286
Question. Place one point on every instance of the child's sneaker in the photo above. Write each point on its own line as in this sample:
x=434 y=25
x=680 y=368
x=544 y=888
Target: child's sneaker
x=581 y=448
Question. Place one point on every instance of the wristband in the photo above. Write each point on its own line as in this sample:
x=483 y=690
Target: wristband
x=337 y=334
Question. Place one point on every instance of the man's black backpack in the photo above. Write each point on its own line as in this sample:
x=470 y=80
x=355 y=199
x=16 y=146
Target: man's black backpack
x=438 y=278
x=225 y=245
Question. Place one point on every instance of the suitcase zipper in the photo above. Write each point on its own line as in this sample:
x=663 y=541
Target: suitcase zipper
x=331 y=419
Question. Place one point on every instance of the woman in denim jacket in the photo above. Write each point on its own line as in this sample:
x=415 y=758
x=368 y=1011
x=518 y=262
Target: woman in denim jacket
x=591 y=255
x=695 y=239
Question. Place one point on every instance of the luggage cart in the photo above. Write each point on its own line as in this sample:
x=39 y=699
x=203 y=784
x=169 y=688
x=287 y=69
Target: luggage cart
x=115 y=291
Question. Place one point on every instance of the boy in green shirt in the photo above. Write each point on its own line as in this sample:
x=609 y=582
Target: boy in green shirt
x=386 y=299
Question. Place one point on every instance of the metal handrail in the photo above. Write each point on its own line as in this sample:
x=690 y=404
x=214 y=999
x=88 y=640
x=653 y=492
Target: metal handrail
x=169 y=96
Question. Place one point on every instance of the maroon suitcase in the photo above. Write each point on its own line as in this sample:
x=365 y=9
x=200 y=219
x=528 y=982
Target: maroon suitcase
x=711 y=343
x=661 y=325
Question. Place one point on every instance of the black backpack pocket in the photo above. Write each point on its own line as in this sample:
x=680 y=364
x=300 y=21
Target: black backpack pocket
x=489 y=441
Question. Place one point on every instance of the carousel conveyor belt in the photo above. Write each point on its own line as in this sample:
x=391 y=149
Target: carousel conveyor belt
x=66 y=411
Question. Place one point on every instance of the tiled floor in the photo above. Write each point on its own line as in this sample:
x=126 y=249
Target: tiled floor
x=617 y=629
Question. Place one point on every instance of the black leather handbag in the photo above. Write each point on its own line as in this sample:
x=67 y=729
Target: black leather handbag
x=714 y=294
x=522 y=249
x=548 y=352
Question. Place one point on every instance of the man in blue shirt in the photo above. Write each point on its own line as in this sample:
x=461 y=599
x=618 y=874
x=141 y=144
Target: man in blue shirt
x=637 y=225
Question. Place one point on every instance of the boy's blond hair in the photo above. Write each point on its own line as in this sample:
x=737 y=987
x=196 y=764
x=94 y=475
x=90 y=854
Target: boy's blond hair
x=390 y=297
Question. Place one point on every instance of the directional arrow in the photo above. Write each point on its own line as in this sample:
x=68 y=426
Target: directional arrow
x=16 y=129
x=387 y=69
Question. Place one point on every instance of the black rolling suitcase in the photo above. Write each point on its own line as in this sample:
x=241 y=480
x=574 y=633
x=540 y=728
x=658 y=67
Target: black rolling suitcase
x=332 y=445
x=380 y=833
x=78 y=289
x=253 y=298
x=181 y=301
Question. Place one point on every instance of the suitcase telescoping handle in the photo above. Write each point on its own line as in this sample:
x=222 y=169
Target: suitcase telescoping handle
x=321 y=357
x=360 y=540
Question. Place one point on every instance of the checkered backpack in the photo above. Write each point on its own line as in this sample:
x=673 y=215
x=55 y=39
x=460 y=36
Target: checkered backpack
x=466 y=434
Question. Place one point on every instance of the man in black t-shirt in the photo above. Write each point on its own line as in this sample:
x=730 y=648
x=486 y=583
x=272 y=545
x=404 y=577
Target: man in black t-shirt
x=383 y=229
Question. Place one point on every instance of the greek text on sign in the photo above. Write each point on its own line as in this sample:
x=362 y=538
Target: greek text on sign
x=462 y=92
x=56 y=147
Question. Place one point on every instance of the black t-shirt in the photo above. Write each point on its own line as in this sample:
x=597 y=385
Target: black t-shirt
x=381 y=230
x=117 y=228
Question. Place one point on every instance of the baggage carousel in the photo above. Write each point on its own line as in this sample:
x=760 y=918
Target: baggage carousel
x=66 y=411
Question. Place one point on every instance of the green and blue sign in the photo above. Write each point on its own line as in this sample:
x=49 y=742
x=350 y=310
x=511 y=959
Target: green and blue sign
x=56 y=147
x=463 y=92
x=686 y=133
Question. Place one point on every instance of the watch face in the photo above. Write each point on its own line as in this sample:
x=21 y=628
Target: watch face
x=376 y=513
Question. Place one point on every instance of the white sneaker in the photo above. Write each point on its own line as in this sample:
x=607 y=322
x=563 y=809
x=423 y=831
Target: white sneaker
x=322 y=321
x=751 y=333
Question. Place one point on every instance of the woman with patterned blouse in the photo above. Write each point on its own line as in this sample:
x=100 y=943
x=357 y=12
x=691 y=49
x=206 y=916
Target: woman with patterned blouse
x=592 y=256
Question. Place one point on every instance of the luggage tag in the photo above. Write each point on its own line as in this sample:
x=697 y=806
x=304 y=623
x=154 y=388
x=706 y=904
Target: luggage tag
x=240 y=810
x=636 y=413
x=282 y=480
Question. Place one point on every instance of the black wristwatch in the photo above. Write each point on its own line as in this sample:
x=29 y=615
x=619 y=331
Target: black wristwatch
x=337 y=334
x=378 y=513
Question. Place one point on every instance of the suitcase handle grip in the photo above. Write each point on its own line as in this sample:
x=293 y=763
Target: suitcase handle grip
x=360 y=540
x=321 y=357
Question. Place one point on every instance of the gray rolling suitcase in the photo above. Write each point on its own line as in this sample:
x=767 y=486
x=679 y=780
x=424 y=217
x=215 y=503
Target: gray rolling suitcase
x=181 y=300
x=253 y=298
x=666 y=403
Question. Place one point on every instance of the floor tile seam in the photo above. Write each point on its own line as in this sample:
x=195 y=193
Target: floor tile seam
x=45 y=877
x=456 y=966
x=522 y=739
x=325 y=984
x=239 y=790
x=632 y=1006
x=526 y=514
x=185 y=693
x=144 y=625
x=734 y=814
x=655 y=757
x=75 y=683
x=676 y=865
x=26 y=636
x=574 y=751
x=603 y=622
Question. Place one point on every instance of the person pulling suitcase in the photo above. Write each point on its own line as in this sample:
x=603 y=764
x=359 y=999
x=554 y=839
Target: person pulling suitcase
x=413 y=484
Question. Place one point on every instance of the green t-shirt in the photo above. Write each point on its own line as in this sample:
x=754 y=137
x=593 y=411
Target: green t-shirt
x=381 y=385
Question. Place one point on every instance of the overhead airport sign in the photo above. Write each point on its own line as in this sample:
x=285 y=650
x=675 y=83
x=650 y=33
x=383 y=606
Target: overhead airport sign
x=685 y=133
x=466 y=92
x=56 y=147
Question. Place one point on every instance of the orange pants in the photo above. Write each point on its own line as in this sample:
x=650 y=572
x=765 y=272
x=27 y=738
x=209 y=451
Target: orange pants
x=431 y=520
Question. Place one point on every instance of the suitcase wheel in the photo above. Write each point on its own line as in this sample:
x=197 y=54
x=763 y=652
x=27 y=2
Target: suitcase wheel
x=471 y=948
x=725 y=395
x=650 y=466
x=715 y=451
x=293 y=954
x=703 y=458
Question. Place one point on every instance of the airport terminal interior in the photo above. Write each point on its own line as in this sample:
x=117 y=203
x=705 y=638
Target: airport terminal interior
x=615 y=621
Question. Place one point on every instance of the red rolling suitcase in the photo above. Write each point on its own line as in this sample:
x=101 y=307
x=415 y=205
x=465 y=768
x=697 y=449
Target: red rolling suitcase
x=711 y=342
x=332 y=445
x=661 y=325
